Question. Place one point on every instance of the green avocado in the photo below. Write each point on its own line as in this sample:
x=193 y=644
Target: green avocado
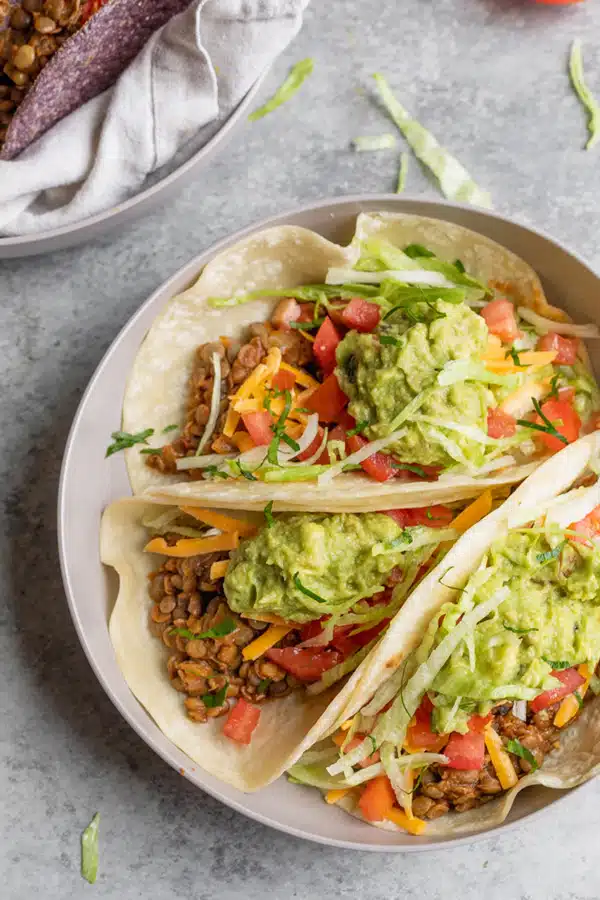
x=328 y=555
x=382 y=378
x=551 y=619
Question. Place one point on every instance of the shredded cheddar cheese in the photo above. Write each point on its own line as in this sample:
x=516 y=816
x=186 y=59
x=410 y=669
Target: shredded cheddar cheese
x=220 y=521
x=473 y=512
x=271 y=636
x=231 y=422
x=242 y=441
x=413 y=826
x=335 y=795
x=219 y=569
x=501 y=761
x=302 y=378
x=529 y=358
x=193 y=546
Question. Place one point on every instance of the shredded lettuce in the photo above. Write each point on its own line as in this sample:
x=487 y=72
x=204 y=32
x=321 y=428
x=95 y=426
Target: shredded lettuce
x=374 y=142
x=297 y=75
x=458 y=370
x=89 y=850
x=311 y=293
x=402 y=173
x=583 y=92
x=455 y=181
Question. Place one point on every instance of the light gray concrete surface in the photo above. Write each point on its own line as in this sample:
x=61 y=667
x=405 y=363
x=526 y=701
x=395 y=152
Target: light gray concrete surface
x=488 y=77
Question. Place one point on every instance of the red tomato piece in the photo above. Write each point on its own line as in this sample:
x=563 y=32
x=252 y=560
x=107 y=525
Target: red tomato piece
x=571 y=680
x=241 y=721
x=258 y=425
x=305 y=663
x=328 y=400
x=566 y=348
x=325 y=345
x=500 y=319
x=377 y=799
x=311 y=629
x=465 y=751
x=478 y=723
x=565 y=420
x=360 y=315
x=400 y=516
x=429 y=473
x=500 y=424
x=437 y=516
x=588 y=527
x=419 y=734
x=348 y=422
x=558 y=2
x=348 y=643
x=368 y=760
x=379 y=466
x=283 y=381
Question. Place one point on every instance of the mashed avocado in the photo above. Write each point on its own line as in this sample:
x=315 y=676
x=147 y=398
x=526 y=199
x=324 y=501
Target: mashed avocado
x=331 y=555
x=382 y=378
x=551 y=619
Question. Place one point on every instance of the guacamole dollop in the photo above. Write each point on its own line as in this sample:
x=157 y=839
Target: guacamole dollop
x=381 y=379
x=330 y=555
x=550 y=620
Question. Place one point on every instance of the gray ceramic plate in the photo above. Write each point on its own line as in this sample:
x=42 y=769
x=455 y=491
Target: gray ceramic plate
x=89 y=483
x=159 y=188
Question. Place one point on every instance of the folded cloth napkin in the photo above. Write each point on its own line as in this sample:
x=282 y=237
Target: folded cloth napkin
x=189 y=76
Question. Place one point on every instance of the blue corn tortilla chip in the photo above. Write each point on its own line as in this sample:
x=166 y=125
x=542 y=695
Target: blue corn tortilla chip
x=87 y=64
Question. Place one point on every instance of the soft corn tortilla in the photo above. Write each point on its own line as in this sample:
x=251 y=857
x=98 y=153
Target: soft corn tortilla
x=578 y=758
x=287 y=727
x=286 y=257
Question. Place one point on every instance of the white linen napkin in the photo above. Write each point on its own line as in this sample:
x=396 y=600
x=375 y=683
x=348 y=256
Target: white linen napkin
x=192 y=72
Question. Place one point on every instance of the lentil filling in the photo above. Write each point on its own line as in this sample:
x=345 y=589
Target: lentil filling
x=185 y=597
x=35 y=31
x=443 y=789
x=237 y=363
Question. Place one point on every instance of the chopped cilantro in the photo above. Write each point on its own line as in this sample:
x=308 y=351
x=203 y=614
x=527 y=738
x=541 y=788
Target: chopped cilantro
x=263 y=684
x=306 y=591
x=418 y=250
x=550 y=554
x=279 y=430
x=358 y=428
x=151 y=451
x=410 y=467
x=245 y=473
x=458 y=264
x=212 y=470
x=221 y=629
x=547 y=427
x=554 y=387
x=388 y=339
x=268 y=513
x=123 y=439
x=212 y=701
x=516 y=747
x=515 y=356
x=579 y=698
x=557 y=664
x=170 y=428
x=451 y=586
x=308 y=326
x=519 y=630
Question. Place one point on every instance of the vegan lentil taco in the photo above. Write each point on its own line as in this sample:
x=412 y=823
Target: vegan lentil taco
x=55 y=55
x=421 y=359
x=487 y=680
x=232 y=631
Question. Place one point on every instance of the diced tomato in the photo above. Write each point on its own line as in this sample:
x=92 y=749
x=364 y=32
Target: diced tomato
x=419 y=734
x=478 y=723
x=500 y=319
x=241 y=721
x=368 y=760
x=437 y=516
x=571 y=680
x=328 y=400
x=500 y=424
x=360 y=315
x=348 y=643
x=311 y=629
x=400 y=516
x=258 y=425
x=588 y=527
x=565 y=420
x=423 y=473
x=465 y=751
x=377 y=799
x=91 y=7
x=566 y=348
x=566 y=393
x=558 y=2
x=283 y=381
x=312 y=447
x=305 y=663
x=348 y=422
x=379 y=466
x=325 y=345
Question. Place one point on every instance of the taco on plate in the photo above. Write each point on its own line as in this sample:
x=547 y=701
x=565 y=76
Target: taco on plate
x=421 y=358
x=233 y=631
x=486 y=681
x=55 y=55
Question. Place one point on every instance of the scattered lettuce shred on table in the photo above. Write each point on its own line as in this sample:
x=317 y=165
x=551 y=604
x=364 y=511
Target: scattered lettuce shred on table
x=89 y=850
x=455 y=182
x=402 y=173
x=583 y=92
x=296 y=76
x=374 y=142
